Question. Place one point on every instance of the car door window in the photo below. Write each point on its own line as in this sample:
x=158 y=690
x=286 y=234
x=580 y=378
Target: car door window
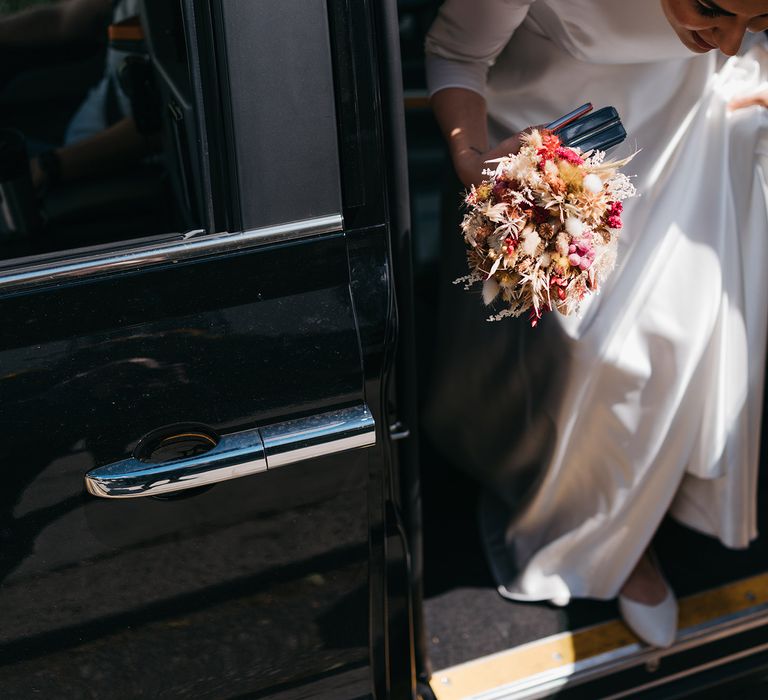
x=99 y=132
x=144 y=124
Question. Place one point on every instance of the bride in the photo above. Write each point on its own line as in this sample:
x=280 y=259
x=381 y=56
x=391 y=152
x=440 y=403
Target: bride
x=649 y=403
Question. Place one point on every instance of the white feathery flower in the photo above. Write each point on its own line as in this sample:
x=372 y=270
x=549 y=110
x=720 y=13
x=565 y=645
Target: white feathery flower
x=574 y=226
x=621 y=188
x=550 y=168
x=495 y=212
x=533 y=139
x=529 y=241
x=490 y=290
x=592 y=183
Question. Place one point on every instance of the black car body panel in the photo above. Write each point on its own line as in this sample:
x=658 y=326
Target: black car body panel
x=272 y=585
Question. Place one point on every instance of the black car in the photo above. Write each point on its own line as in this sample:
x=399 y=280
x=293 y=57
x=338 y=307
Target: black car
x=214 y=329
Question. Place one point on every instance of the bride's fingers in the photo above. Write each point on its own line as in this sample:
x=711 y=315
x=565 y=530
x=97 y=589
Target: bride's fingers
x=760 y=99
x=507 y=146
x=511 y=144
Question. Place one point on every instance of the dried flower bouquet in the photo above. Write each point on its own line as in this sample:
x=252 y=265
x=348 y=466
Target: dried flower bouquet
x=541 y=230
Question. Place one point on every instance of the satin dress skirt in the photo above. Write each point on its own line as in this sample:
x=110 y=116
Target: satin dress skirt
x=589 y=429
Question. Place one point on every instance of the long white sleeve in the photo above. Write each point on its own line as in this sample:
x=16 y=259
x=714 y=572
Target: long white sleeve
x=465 y=39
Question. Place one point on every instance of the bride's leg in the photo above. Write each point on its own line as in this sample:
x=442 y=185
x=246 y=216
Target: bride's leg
x=645 y=584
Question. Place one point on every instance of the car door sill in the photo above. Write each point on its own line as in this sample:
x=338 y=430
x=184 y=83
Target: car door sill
x=553 y=664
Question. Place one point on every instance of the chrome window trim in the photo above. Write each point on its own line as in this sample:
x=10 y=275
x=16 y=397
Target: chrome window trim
x=182 y=247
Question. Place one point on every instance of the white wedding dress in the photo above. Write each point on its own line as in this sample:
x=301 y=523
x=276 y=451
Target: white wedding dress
x=650 y=401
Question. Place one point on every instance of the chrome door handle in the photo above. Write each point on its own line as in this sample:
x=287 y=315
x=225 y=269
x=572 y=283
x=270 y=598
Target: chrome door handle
x=238 y=454
x=235 y=455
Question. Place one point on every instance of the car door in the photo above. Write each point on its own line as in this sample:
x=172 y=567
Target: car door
x=193 y=374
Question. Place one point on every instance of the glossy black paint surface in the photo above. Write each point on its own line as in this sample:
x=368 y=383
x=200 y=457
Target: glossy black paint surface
x=271 y=586
x=250 y=585
x=201 y=597
x=238 y=339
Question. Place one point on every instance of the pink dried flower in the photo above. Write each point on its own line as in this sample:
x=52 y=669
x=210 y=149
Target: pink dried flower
x=581 y=253
x=569 y=155
x=559 y=284
x=613 y=215
x=535 y=316
x=511 y=244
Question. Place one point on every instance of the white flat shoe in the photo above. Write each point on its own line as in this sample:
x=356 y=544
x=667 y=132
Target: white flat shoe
x=654 y=624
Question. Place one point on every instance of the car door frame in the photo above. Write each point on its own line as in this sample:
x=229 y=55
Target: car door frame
x=394 y=530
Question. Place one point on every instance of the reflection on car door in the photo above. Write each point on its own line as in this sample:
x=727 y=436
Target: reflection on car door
x=147 y=364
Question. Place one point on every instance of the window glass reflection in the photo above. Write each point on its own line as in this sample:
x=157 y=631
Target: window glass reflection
x=96 y=124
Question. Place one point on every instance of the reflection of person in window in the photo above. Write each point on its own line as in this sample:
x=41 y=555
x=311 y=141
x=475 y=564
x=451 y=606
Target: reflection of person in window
x=102 y=135
x=61 y=22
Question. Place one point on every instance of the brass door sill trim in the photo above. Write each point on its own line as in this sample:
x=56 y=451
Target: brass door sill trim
x=539 y=668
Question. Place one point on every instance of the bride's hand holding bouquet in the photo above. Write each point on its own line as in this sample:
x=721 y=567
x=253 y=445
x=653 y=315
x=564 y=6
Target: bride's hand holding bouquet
x=471 y=161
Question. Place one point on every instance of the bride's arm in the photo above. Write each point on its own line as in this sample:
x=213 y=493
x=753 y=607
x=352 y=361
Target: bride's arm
x=461 y=45
x=462 y=117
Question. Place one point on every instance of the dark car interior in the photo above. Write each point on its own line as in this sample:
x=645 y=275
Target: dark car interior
x=156 y=192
